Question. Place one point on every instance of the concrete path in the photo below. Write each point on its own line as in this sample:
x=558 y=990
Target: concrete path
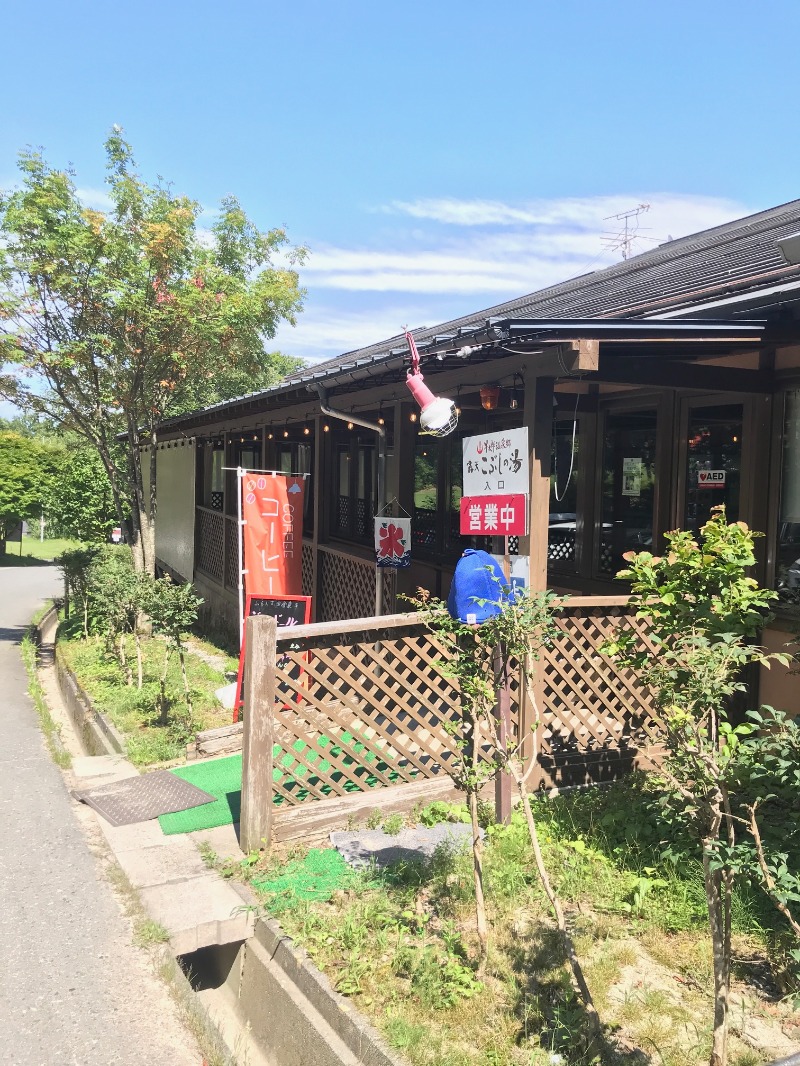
x=73 y=989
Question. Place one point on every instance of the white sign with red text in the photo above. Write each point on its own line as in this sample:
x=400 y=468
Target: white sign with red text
x=711 y=479
x=494 y=516
x=496 y=464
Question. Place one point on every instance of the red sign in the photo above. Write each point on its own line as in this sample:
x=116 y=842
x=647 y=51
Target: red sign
x=495 y=516
x=272 y=535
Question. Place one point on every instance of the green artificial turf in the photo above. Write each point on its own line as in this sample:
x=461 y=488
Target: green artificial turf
x=314 y=877
x=222 y=778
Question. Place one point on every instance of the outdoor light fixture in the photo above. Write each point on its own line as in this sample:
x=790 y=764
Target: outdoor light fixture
x=306 y=431
x=438 y=415
x=326 y=428
x=513 y=403
x=349 y=425
x=285 y=433
x=490 y=396
x=270 y=436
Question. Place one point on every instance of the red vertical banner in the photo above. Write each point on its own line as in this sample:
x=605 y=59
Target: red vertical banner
x=272 y=534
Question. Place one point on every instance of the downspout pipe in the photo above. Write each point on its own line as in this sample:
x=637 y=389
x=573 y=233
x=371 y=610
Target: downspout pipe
x=343 y=416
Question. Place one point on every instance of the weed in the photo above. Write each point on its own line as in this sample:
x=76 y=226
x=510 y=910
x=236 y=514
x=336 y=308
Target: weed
x=374 y=819
x=394 y=824
x=52 y=734
x=146 y=933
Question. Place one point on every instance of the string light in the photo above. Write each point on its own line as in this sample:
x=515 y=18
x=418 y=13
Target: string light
x=349 y=425
x=306 y=431
x=326 y=428
x=413 y=416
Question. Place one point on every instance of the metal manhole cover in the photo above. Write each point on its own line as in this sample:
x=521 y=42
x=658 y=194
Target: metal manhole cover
x=138 y=799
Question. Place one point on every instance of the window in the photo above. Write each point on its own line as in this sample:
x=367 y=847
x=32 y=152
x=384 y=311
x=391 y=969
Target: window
x=353 y=501
x=213 y=482
x=563 y=520
x=787 y=569
x=426 y=494
x=714 y=461
x=627 y=488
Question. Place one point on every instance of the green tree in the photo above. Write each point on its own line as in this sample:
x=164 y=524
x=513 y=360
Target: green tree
x=27 y=471
x=80 y=503
x=703 y=614
x=120 y=313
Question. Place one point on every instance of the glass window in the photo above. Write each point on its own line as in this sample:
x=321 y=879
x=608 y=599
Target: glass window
x=354 y=499
x=714 y=460
x=426 y=494
x=628 y=487
x=563 y=521
x=787 y=571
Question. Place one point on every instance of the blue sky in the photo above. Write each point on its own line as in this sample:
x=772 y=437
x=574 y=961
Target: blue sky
x=436 y=158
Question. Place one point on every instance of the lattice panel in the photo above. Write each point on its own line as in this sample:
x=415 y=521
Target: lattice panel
x=217 y=501
x=361 y=715
x=561 y=546
x=308 y=570
x=593 y=712
x=231 y=554
x=363 y=517
x=209 y=532
x=347 y=587
x=605 y=563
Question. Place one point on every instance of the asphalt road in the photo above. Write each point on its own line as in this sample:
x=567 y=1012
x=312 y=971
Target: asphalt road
x=73 y=989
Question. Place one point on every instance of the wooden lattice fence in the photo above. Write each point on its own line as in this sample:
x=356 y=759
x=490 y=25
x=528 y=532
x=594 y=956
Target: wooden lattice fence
x=361 y=705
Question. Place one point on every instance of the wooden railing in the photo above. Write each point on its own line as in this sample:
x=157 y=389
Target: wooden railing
x=337 y=708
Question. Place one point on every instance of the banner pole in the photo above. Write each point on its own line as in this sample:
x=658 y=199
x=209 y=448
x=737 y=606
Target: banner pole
x=239 y=475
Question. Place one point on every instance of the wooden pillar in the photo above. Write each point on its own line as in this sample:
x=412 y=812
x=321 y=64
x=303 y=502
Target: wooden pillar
x=259 y=697
x=538 y=418
x=319 y=532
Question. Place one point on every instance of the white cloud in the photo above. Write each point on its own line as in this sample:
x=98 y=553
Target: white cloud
x=462 y=256
x=324 y=331
x=575 y=211
x=516 y=250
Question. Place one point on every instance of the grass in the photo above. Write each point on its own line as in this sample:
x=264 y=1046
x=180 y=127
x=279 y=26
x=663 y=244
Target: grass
x=401 y=943
x=135 y=712
x=33 y=552
x=48 y=726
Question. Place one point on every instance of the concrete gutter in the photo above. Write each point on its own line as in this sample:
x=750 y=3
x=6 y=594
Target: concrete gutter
x=268 y=997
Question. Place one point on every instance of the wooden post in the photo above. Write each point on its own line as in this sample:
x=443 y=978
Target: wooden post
x=538 y=417
x=259 y=699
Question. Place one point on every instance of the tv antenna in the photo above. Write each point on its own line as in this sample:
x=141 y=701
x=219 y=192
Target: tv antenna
x=630 y=230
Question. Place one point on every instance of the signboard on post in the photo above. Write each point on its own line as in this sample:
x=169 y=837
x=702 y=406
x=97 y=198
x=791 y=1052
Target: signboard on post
x=287 y=611
x=496 y=464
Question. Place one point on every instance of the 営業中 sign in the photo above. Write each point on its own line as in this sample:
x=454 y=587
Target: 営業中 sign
x=496 y=464
x=494 y=516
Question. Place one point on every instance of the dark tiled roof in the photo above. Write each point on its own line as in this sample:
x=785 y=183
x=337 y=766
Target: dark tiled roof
x=691 y=270
x=738 y=257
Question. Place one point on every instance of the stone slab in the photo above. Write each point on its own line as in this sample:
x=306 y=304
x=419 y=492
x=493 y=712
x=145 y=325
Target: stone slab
x=362 y=847
x=157 y=865
x=103 y=766
x=198 y=913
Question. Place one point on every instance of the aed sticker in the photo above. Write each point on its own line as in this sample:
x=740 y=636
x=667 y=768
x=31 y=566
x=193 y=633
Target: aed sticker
x=711 y=479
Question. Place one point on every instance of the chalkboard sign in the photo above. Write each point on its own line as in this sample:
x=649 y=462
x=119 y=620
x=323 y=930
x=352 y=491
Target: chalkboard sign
x=287 y=611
